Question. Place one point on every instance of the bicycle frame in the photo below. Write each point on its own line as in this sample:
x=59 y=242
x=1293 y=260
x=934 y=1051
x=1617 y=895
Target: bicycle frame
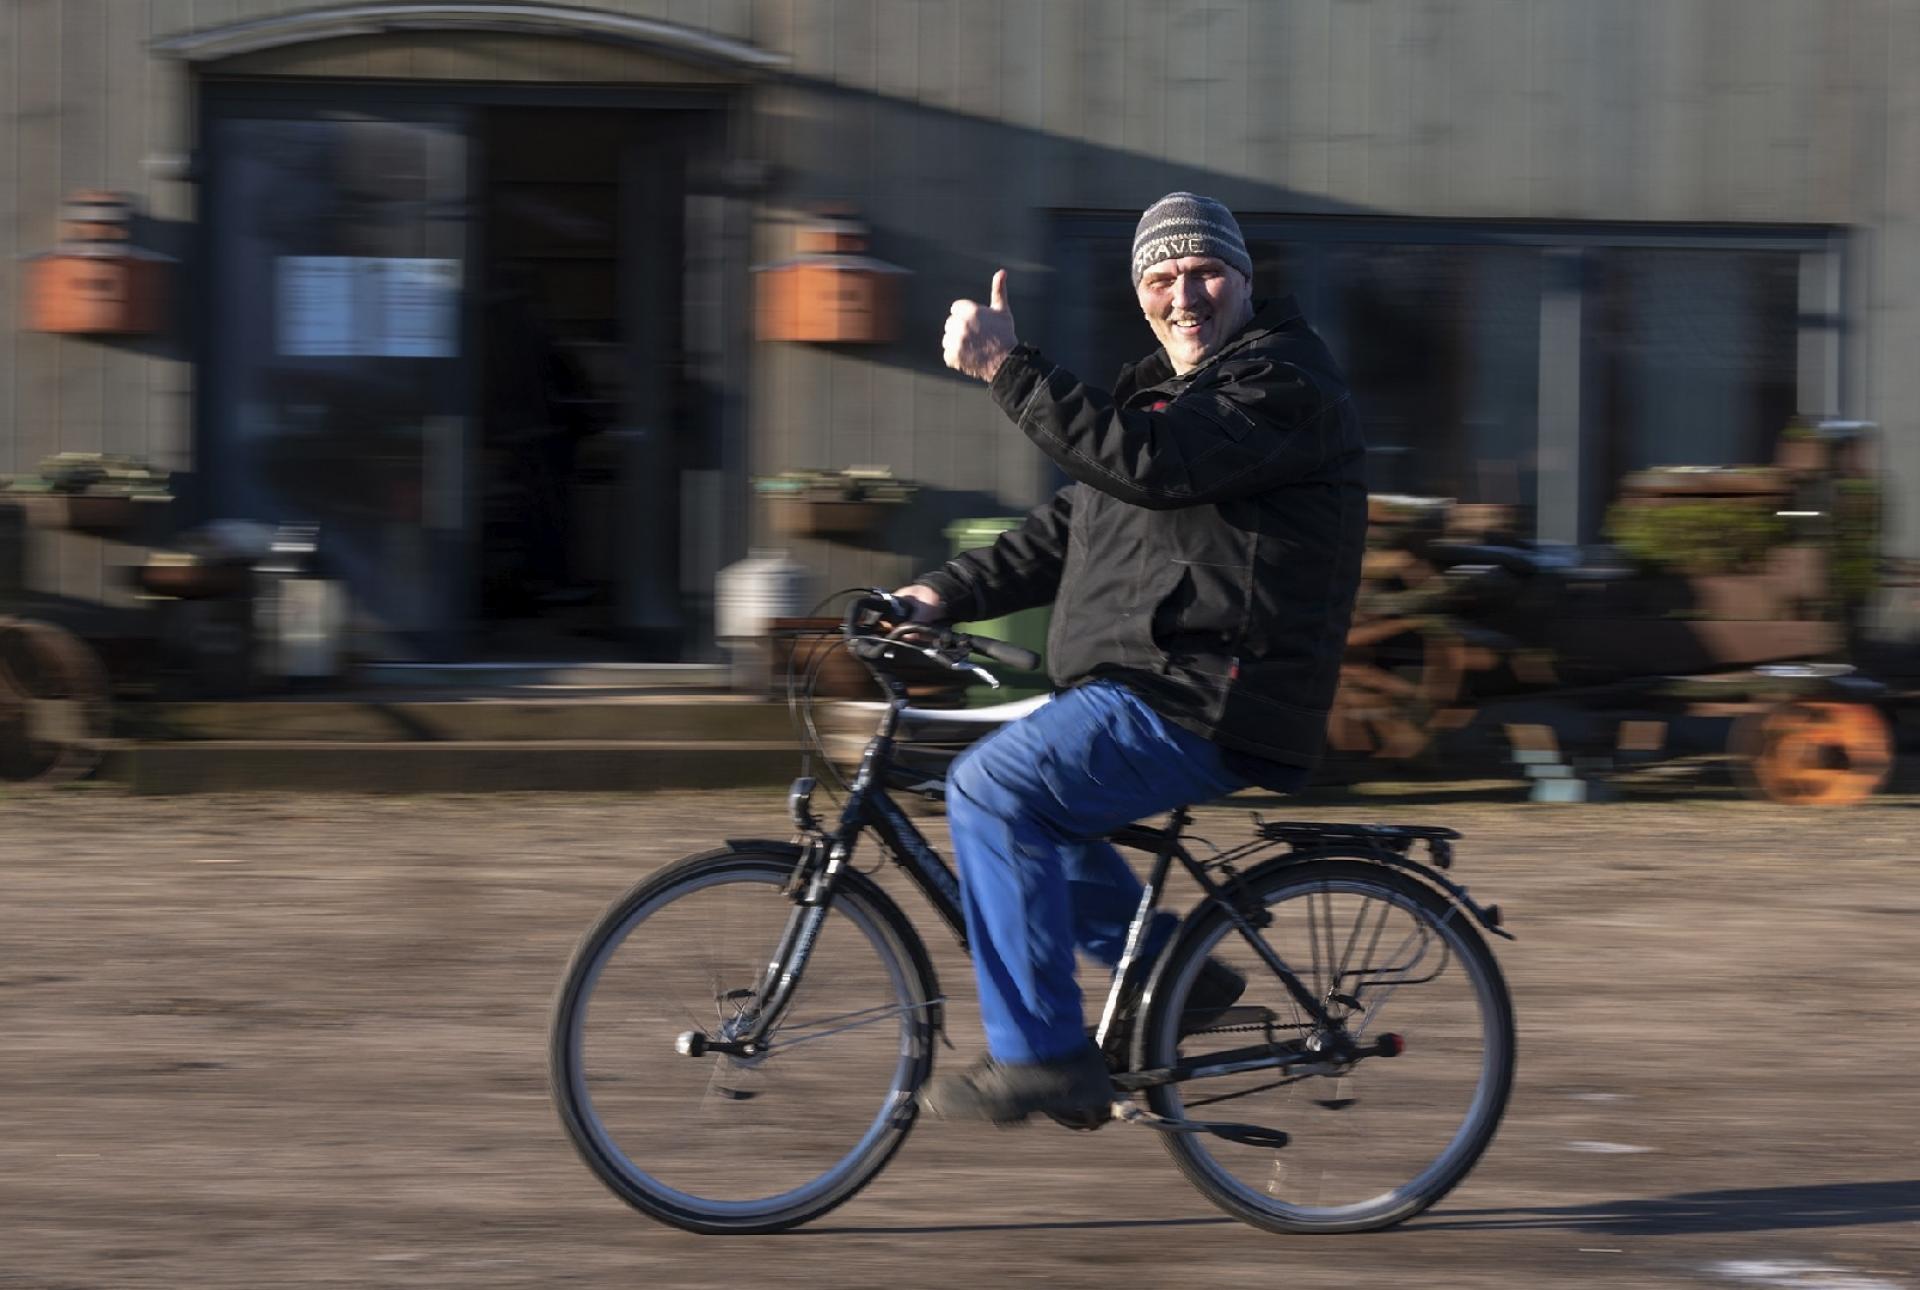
x=868 y=807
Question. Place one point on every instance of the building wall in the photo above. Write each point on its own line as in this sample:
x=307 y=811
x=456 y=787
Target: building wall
x=956 y=126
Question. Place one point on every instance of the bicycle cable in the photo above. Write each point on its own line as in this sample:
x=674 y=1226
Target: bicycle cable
x=799 y=706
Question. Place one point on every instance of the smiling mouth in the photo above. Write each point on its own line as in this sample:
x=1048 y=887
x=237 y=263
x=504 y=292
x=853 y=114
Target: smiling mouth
x=1188 y=326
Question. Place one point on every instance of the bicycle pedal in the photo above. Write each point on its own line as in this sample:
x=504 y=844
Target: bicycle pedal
x=1249 y=1135
x=1081 y=1121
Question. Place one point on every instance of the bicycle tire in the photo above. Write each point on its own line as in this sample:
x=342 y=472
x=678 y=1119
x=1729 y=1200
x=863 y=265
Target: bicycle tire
x=908 y=975
x=1201 y=1158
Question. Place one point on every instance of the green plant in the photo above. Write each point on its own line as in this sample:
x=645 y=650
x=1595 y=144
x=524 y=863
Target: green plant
x=1856 y=540
x=1707 y=536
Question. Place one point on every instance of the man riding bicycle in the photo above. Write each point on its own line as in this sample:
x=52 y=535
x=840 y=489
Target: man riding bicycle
x=1202 y=567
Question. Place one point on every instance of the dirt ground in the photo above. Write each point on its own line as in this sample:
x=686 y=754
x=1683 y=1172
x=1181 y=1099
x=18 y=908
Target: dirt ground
x=279 y=1041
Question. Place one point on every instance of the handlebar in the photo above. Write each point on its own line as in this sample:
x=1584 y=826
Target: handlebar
x=874 y=607
x=1016 y=656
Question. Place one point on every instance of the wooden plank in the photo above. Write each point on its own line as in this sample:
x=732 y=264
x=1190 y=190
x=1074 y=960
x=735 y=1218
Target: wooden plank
x=392 y=55
x=124 y=385
x=967 y=148
x=1678 y=159
x=1895 y=321
x=1062 y=100
x=1431 y=78
x=849 y=410
x=1267 y=102
x=1145 y=112
x=1349 y=100
x=1615 y=178
x=203 y=14
x=1796 y=54
x=977 y=56
x=1230 y=92
x=1103 y=88
x=1020 y=154
x=1557 y=148
x=12 y=246
x=731 y=18
x=1022 y=75
x=168 y=426
x=1489 y=122
x=1741 y=133
x=83 y=164
x=1180 y=68
x=1391 y=65
x=772 y=25
x=937 y=74
x=38 y=122
x=1302 y=44
x=855 y=44
x=896 y=42
x=813 y=38
x=1835 y=115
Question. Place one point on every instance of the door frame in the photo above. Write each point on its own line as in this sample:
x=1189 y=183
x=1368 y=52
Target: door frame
x=218 y=96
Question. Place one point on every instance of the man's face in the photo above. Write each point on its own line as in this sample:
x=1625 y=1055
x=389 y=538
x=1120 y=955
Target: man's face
x=1194 y=305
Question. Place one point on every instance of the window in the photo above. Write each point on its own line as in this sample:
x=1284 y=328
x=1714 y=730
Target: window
x=1673 y=345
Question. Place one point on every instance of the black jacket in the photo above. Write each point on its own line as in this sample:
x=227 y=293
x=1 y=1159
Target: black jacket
x=1207 y=553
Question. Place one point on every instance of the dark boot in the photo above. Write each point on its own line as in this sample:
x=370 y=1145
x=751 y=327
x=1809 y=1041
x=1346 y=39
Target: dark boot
x=1076 y=1085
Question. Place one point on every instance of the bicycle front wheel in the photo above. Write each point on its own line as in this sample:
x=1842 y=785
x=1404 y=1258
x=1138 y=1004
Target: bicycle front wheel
x=1373 y=1140
x=724 y=1144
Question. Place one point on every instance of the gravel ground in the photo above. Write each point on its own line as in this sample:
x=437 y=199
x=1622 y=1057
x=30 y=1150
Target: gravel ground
x=278 y=1040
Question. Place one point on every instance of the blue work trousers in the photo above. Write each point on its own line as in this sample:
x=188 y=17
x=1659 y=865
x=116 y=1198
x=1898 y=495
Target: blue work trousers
x=1027 y=806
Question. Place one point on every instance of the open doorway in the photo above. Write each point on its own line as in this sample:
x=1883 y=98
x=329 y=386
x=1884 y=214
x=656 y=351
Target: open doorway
x=490 y=340
x=587 y=426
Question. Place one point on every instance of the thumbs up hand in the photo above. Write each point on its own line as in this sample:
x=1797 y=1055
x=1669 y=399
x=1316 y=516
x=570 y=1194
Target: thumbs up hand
x=979 y=337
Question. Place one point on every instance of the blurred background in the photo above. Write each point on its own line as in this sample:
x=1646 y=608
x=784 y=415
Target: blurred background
x=461 y=397
x=381 y=336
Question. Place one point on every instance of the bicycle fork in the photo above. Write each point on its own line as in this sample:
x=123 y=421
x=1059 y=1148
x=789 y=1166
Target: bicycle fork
x=745 y=1035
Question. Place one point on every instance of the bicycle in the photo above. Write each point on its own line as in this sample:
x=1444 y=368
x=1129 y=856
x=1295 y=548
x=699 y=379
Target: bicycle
x=713 y=1100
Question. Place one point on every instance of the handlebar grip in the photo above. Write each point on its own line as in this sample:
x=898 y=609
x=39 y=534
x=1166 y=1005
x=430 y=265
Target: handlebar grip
x=1006 y=652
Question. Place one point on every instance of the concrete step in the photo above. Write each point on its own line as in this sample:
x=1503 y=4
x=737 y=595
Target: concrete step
x=466 y=766
x=533 y=716
x=655 y=676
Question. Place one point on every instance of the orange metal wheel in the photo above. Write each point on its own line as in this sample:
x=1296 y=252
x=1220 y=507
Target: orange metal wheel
x=1399 y=683
x=1814 y=754
x=55 y=705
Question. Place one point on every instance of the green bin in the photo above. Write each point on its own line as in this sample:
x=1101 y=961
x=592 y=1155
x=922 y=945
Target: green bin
x=1028 y=628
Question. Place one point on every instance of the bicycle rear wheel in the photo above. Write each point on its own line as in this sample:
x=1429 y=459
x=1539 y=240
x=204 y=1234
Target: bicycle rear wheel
x=722 y=1144
x=1375 y=1140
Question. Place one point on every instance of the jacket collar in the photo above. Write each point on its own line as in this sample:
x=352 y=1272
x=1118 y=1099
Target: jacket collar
x=1269 y=316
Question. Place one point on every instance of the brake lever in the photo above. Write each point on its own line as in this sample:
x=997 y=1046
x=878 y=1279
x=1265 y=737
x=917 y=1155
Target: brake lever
x=876 y=647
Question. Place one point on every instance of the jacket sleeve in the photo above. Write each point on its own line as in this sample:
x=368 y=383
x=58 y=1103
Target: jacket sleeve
x=1250 y=424
x=1020 y=570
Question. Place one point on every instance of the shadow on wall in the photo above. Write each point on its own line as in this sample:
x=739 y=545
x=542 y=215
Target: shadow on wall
x=953 y=197
x=918 y=531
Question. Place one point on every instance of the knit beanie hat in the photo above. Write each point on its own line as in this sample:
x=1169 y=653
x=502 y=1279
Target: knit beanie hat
x=1185 y=224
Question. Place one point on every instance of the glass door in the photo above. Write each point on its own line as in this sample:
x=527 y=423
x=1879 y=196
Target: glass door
x=335 y=381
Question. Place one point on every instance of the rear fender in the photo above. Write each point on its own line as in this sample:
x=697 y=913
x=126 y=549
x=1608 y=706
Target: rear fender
x=1488 y=917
